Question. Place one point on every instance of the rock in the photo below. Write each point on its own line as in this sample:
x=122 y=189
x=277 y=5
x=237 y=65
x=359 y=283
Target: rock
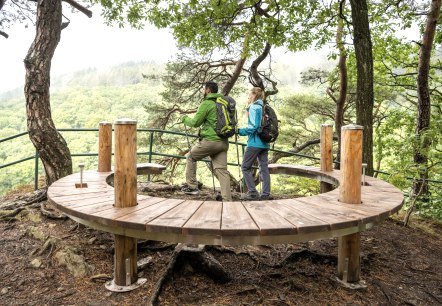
x=36 y=263
x=4 y=290
x=60 y=289
x=73 y=261
x=36 y=232
x=92 y=240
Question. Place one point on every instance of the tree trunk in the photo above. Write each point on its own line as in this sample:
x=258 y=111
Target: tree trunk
x=364 y=87
x=424 y=106
x=50 y=145
x=343 y=80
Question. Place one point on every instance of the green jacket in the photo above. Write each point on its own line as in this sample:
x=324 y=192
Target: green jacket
x=206 y=118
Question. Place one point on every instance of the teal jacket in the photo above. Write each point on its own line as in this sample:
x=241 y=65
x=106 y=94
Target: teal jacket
x=253 y=124
x=205 y=118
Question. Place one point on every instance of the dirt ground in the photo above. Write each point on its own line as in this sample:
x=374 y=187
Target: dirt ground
x=400 y=266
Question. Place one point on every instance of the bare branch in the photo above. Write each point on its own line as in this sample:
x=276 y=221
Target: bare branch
x=79 y=7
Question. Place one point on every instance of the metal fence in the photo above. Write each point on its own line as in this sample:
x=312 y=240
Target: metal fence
x=150 y=153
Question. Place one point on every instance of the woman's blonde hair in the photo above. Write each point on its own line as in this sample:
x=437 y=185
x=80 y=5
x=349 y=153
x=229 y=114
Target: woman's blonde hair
x=258 y=93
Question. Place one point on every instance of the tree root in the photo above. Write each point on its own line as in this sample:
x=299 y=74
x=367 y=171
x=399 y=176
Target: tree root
x=159 y=284
x=199 y=259
x=51 y=215
x=101 y=278
x=50 y=243
x=11 y=215
x=26 y=200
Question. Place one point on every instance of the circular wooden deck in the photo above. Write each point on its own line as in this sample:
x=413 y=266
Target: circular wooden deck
x=227 y=223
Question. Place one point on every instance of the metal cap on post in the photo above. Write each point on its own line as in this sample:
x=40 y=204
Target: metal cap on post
x=104 y=146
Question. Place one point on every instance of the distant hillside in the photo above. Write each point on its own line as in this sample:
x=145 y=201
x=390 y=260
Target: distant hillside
x=79 y=100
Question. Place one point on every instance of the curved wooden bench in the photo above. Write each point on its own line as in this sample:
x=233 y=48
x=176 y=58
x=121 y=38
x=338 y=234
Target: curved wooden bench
x=226 y=223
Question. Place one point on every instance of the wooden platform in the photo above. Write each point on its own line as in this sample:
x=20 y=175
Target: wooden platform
x=226 y=223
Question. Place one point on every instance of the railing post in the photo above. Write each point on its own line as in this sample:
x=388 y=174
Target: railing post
x=104 y=147
x=326 y=154
x=125 y=186
x=150 y=151
x=350 y=192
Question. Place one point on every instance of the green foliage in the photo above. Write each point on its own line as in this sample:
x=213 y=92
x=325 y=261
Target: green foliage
x=208 y=25
x=78 y=101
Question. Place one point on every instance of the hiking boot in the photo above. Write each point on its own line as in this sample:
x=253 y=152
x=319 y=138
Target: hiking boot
x=265 y=197
x=249 y=197
x=188 y=190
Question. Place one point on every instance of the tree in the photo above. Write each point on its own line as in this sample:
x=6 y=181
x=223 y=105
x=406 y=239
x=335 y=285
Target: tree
x=50 y=145
x=423 y=94
x=364 y=87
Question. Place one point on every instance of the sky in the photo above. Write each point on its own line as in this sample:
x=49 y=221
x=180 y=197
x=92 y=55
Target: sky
x=88 y=42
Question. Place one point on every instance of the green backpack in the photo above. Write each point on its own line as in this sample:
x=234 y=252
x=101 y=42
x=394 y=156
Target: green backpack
x=226 y=119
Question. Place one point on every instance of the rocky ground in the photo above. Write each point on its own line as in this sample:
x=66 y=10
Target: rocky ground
x=49 y=261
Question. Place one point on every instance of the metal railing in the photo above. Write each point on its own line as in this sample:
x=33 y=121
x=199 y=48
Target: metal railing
x=150 y=153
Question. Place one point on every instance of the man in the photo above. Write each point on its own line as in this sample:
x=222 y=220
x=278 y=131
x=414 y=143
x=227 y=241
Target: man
x=210 y=144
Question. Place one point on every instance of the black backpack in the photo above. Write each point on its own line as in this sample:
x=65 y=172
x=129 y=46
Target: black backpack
x=268 y=130
x=226 y=119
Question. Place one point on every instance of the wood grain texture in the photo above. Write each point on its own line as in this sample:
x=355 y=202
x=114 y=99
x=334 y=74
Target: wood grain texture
x=104 y=147
x=162 y=217
x=351 y=165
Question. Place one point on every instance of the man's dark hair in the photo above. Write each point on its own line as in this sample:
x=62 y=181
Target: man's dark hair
x=212 y=86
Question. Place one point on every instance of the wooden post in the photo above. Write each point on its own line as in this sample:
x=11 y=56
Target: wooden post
x=125 y=186
x=326 y=154
x=349 y=266
x=104 y=147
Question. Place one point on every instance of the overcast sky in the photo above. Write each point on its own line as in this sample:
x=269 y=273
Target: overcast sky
x=86 y=42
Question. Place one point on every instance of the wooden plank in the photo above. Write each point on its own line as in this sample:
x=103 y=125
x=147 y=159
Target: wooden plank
x=150 y=168
x=139 y=218
x=205 y=221
x=374 y=213
x=235 y=217
x=63 y=191
x=76 y=212
x=172 y=220
x=89 y=211
x=120 y=212
x=354 y=211
x=80 y=198
x=303 y=223
x=336 y=220
x=268 y=222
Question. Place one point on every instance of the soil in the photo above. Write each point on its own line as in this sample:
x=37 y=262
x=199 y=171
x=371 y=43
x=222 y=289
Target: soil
x=399 y=266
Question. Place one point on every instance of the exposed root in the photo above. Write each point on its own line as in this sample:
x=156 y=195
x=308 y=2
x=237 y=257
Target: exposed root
x=101 y=278
x=11 y=216
x=49 y=244
x=198 y=259
x=157 y=289
x=51 y=215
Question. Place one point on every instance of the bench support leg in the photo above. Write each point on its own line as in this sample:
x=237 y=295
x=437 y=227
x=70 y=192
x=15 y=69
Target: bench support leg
x=349 y=264
x=125 y=260
x=125 y=266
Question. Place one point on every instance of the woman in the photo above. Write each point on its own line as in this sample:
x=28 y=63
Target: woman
x=256 y=148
